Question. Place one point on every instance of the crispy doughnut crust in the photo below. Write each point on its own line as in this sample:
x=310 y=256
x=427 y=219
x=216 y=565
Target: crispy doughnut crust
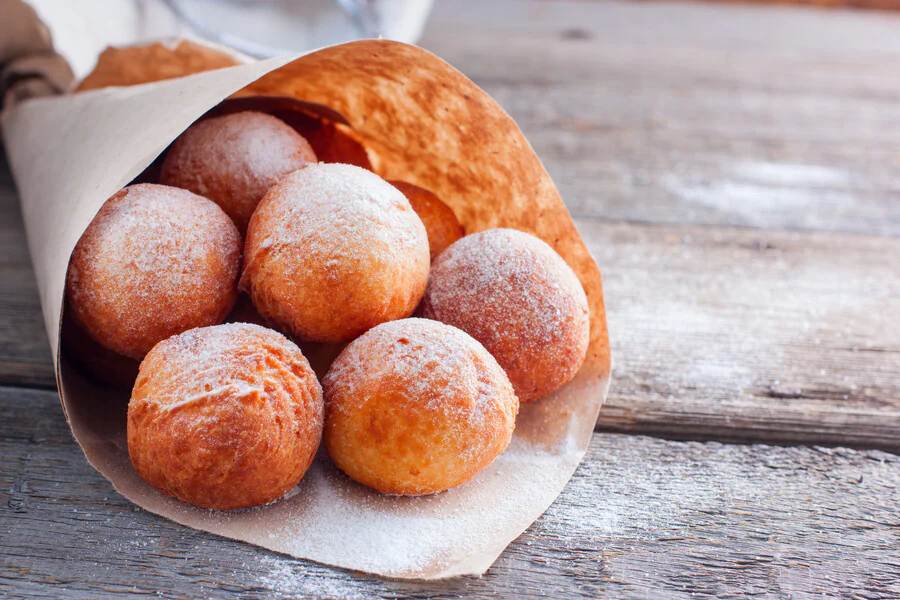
x=234 y=159
x=514 y=294
x=319 y=354
x=225 y=417
x=154 y=262
x=441 y=224
x=333 y=250
x=154 y=62
x=416 y=407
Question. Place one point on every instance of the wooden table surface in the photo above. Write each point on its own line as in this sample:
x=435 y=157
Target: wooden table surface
x=735 y=170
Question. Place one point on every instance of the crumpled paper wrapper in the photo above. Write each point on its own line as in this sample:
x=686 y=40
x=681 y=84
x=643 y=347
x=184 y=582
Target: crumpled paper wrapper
x=421 y=121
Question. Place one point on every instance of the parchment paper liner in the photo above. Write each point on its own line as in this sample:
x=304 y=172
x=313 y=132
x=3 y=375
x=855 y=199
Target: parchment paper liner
x=423 y=122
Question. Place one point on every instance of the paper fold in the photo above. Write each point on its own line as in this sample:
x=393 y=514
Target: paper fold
x=422 y=122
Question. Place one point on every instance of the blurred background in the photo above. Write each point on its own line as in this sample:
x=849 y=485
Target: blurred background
x=259 y=28
x=81 y=29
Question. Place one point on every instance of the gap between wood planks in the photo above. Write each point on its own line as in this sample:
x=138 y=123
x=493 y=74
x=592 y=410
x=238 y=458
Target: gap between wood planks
x=739 y=334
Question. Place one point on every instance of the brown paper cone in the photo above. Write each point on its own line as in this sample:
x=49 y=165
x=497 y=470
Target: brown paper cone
x=423 y=122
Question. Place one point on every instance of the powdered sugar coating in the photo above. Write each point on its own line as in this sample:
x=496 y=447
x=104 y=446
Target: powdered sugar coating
x=234 y=159
x=332 y=251
x=415 y=407
x=154 y=262
x=225 y=417
x=514 y=294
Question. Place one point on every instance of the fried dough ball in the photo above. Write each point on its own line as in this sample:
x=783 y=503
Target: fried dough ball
x=234 y=159
x=441 y=224
x=154 y=262
x=319 y=354
x=416 y=407
x=332 y=251
x=225 y=417
x=514 y=294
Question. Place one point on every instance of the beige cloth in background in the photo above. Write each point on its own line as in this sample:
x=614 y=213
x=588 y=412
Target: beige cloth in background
x=28 y=64
x=80 y=30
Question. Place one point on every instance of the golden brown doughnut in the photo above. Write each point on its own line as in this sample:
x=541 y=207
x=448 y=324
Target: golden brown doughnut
x=134 y=65
x=155 y=261
x=514 y=294
x=441 y=224
x=234 y=159
x=225 y=417
x=333 y=250
x=416 y=407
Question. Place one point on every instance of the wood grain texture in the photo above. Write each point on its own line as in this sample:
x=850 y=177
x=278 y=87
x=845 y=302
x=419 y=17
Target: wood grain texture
x=24 y=350
x=741 y=334
x=641 y=518
x=691 y=113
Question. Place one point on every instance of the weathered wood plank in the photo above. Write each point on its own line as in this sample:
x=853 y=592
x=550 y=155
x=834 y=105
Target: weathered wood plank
x=24 y=351
x=641 y=518
x=692 y=113
x=751 y=335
